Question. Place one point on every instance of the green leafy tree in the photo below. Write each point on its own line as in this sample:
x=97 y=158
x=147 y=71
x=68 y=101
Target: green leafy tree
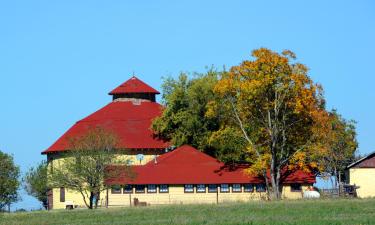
x=183 y=120
x=35 y=182
x=83 y=167
x=9 y=183
x=343 y=144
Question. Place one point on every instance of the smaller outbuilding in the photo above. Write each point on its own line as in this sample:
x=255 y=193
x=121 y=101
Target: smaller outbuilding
x=362 y=174
x=187 y=175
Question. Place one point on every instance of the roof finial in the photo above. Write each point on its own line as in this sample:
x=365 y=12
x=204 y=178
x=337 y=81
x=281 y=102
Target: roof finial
x=133 y=74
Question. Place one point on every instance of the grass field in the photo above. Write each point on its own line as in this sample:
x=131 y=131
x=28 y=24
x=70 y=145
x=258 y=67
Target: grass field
x=342 y=211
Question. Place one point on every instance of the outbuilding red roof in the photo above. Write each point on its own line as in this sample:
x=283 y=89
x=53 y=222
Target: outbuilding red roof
x=130 y=121
x=365 y=162
x=133 y=85
x=187 y=165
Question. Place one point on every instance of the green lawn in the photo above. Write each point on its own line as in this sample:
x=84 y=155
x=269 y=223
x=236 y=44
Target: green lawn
x=341 y=211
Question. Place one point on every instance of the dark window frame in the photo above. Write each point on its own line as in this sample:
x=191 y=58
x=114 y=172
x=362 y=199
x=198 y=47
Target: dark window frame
x=124 y=191
x=116 y=192
x=62 y=194
x=237 y=191
x=152 y=192
x=162 y=192
x=212 y=191
x=298 y=189
x=221 y=190
x=260 y=185
x=192 y=188
x=197 y=191
x=252 y=188
x=135 y=188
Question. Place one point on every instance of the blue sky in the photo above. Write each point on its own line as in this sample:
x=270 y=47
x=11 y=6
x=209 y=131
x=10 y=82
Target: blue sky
x=59 y=59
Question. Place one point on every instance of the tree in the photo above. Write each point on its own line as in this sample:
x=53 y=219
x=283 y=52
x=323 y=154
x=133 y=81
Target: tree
x=343 y=144
x=35 y=182
x=83 y=167
x=183 y=120
x=9 y=174
x=279 y=112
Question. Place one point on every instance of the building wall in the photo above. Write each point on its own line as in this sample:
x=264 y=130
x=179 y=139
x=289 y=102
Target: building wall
x=57 y=161
x=365 y=179
x=73 y=197
x=177 y=195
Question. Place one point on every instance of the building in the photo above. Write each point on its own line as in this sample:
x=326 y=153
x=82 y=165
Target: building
x=186 y=175
x=130 y=115
x=362 y=175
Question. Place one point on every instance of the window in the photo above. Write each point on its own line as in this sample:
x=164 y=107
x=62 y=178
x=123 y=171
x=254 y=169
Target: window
x=51 y=165
x=139 y=189
x=212 y=188
x=189 y=188
x=163 y=188
x=248 y=187
x=201 y=188
x=116 y=189
x=224 y=188
x=151 y=188
x=127 y=189
x=62 y=194
x=236 y=188
x=295 y=187
x=260 y=187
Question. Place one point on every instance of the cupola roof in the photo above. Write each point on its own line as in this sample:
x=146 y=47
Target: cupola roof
x=133 y=85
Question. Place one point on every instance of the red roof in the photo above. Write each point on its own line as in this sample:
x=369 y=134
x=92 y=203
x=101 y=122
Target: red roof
x=129 y=121
x=133 y=85
x=365 y=162
x=187 y=165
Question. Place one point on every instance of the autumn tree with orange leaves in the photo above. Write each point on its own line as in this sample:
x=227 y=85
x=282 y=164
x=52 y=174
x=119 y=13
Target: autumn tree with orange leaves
x=280 y=112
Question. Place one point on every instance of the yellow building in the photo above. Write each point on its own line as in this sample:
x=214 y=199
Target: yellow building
x=191 y=177
x=362 y=175
x=129 y=116
x=186 y=175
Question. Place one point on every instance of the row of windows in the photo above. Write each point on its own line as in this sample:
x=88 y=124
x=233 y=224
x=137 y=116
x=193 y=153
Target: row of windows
x=212 y=188
x=199 y=188
x=188 y=188
x=224 y=188
x=151 y=188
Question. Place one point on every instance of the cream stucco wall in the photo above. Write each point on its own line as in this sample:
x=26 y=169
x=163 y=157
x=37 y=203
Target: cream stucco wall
x=73 y=197
x=176 y=195
x=57 y=161
x=365 y=179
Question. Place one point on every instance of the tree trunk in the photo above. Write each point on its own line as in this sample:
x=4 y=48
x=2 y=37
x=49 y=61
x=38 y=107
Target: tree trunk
x=268 y=189
x=275 y=181
x=97 y=197
x=91 y=200
x=84 y=199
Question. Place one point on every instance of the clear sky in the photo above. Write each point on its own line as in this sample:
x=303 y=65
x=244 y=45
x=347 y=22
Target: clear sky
x=59 y=59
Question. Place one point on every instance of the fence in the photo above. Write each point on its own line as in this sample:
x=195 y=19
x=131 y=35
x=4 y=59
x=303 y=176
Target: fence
x=344 y=190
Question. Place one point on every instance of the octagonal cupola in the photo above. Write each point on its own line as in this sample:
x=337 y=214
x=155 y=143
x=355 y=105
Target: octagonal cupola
x=134 y=90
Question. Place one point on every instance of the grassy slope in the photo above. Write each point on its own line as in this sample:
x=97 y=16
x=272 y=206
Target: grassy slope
x=284 y=212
